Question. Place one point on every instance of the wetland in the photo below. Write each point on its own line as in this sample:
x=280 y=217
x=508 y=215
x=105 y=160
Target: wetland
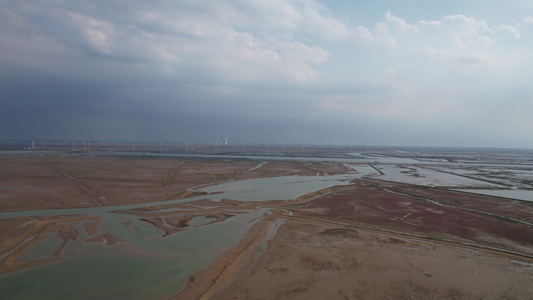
x=138 y=227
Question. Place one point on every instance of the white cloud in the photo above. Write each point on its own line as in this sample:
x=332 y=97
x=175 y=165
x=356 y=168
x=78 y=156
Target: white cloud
x=438 y=53
x=513 y=30
x=363 y=33
x=98 y=33
x=465 y=41
x=275 y=16
x=399 y=23
x=271 y=56
x=433 y=68
x=258 y=40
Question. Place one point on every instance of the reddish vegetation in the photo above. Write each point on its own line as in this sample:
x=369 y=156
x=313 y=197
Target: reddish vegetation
x=315 y=261
x=380 y=208
x=508 y=207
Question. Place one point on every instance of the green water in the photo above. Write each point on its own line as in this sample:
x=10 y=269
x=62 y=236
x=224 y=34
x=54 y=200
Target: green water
x=44 y=249
x=145 y=265
x=101 y=278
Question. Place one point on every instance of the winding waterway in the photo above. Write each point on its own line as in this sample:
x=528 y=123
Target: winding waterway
x=146 y=265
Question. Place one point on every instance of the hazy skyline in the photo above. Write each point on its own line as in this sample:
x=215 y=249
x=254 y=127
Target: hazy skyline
x=406 y=73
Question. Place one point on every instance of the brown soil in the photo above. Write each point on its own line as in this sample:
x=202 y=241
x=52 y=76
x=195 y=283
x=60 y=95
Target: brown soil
x=313 y=261
x=366 y=242
x=46 y=182
x=91 y=228
x=56 y=182
x=369 y=240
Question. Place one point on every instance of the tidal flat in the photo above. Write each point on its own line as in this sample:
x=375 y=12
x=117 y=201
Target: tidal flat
x=89 y=227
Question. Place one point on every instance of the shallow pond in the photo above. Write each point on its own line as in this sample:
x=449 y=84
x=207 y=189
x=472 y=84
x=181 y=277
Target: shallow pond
x=277 y=188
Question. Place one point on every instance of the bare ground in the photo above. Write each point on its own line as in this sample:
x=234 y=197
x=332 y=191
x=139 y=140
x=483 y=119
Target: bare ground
x=371 y=240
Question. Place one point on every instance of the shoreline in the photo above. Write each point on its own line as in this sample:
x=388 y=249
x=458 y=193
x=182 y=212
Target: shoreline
x=231 y=264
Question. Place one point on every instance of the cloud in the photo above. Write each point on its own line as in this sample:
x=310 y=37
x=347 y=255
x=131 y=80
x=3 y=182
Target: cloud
x=289 y=17
x=99 y=34
x=237 y=33
x=462 y=40
x=396 y=23
x=513 y=30
x=173 y=68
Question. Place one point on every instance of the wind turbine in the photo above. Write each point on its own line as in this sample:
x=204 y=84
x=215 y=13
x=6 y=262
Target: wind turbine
x=226 y=140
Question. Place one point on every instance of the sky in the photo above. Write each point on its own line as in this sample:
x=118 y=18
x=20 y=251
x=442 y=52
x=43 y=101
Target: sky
x=384 y=72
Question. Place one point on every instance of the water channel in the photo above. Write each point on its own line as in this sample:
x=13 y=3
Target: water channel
x=145 y=265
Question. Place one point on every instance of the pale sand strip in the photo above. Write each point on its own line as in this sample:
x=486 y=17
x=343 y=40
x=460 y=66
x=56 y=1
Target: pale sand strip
x=232 y=264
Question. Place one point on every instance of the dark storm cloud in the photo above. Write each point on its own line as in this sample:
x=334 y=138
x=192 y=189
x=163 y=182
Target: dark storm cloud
x=262 y=71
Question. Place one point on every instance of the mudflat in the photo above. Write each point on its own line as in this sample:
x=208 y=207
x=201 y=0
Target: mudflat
x=308 y=260
x=370 y=239
x=367 y=242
